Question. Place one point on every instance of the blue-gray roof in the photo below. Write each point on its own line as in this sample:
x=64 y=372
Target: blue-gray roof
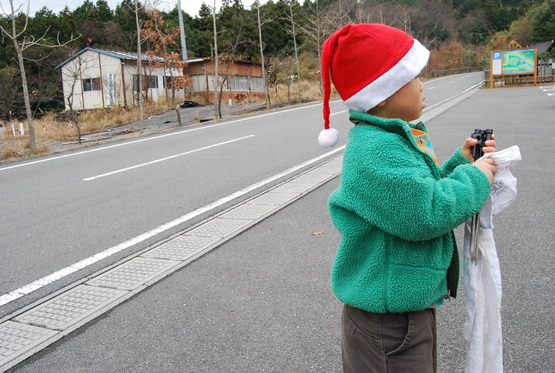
x=116 y=54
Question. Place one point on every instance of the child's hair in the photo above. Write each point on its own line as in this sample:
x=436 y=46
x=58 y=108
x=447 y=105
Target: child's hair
x=367 y=63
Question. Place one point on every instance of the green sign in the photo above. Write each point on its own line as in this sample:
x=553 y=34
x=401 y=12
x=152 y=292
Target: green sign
x=519 y=61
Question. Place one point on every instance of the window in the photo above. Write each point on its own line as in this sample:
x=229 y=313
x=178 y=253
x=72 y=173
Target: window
x=152 y=81
x=257 y=84
x=147 y=81
x=169 y=81
x=91 y=84
x=198 y=83
x=239 y=83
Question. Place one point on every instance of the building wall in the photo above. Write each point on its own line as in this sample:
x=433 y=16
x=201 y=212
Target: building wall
x=77 y=95
x=244 y=83
x=95 y=80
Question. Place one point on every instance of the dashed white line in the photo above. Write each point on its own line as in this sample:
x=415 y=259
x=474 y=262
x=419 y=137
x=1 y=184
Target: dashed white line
x=154 y=137
x=165 y=158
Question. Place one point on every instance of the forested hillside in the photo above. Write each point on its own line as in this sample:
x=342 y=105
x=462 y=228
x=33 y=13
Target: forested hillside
x=459 y=33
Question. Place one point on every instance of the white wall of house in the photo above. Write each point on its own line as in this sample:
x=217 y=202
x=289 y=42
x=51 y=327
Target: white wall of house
x=94 y=80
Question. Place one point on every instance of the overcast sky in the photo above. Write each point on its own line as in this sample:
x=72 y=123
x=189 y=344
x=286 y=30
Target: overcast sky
x=190 y=7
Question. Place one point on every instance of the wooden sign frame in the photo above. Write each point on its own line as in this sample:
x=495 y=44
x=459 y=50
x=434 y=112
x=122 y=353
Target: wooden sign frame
x=519 y=65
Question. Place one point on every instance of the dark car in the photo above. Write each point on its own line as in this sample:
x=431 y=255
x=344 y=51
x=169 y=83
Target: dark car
x=186 y=104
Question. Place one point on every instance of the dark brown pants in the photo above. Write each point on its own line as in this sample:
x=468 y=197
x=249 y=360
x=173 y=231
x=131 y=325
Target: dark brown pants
x=389 y=342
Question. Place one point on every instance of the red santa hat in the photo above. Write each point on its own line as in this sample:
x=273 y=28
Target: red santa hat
x=367 y=64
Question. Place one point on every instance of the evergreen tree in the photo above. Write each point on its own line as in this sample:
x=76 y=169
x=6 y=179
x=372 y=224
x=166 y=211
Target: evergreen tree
x=543 y=22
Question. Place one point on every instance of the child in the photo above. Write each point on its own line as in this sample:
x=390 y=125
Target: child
x=395 y=207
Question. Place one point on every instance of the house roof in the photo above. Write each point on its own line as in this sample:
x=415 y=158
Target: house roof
x=546 y=46
x=134 y=56
x=210 y=59
x=116 y=54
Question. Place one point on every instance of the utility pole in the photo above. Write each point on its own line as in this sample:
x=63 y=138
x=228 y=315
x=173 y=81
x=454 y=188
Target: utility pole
x=257 y=5
x=291 y=3
x=182 y=32
x=217 y=113
x=139 y=64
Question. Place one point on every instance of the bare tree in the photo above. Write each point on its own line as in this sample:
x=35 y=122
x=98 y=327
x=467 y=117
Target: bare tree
x=139 y=61
x=291 y=4
x=257 y=6
x=164 y=38
x=338 y=14
x=217 y=112
x=315 y=27
x=72 y=73
x=231 y=47
x=21 y=42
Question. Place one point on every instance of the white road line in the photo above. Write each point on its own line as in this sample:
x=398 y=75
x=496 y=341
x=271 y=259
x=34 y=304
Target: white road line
x=29 y=288
x=209 y=126
x=339 y=112
x=165 y=159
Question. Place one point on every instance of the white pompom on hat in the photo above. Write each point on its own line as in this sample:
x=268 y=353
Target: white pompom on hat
x=367 y=63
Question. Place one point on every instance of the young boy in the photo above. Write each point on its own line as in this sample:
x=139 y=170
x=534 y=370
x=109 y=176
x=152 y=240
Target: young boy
x=395 y=207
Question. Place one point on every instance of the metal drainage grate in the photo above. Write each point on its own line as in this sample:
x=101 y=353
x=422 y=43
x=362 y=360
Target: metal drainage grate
x=219 y=228
x=17 y=338
x=133 y=274
x=273 y=198
x=70 y=308
x=249 y=212
x=181 y=247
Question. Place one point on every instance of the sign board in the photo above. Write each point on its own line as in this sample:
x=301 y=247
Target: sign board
x=514 y=62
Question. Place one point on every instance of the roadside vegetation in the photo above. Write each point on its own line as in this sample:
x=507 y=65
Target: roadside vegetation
x=285 y=35
x=57 y=127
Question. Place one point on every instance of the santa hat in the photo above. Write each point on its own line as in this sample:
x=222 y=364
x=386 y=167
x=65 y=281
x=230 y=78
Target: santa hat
x=368 y=63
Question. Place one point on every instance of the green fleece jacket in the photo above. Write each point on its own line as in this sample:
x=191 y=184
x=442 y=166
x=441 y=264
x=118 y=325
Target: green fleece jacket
x=396 y=211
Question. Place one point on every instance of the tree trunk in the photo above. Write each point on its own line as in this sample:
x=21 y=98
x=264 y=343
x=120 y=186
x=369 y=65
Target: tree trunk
x=262 y=59
x=26 y=97
x=296 y=52
x=28 y=112
x=217 y=112
x=139 y=65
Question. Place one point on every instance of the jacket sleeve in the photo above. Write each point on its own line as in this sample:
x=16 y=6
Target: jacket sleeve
x=453 y=162
x=387 y=183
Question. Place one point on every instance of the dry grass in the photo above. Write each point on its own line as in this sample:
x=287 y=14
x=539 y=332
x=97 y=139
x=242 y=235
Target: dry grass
x=53 y=128
x=309 y=91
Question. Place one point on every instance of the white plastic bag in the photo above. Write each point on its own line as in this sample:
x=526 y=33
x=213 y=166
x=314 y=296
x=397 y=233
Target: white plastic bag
x=482 y=278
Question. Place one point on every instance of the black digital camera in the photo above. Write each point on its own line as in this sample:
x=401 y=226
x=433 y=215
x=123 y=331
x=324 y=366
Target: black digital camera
x=482 y=136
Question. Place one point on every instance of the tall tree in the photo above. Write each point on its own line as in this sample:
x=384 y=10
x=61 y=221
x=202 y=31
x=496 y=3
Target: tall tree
x=21 y=43
x=217 y=112
x=315 y=26
x=138 y=24
x=543 y=22
x=165 y=52
x=291 y=4
x=256 y=5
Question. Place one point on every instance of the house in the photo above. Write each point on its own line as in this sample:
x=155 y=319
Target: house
x=241 y=81
x=95 y=78
x=546 y=68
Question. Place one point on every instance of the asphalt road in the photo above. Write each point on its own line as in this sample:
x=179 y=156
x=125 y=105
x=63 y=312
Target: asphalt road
x=261 y=302
x=59 y=212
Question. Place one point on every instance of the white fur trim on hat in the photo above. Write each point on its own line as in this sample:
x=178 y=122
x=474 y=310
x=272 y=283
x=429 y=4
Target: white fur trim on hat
x=391 y=81
x=328 y=137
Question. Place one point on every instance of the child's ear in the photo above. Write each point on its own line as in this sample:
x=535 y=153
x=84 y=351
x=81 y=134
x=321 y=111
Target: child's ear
x=381 y=104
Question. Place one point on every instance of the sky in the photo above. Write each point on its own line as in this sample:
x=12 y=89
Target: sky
x=190 y=7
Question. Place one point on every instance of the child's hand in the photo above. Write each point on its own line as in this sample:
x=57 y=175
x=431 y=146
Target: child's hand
x=490 y=147
x=487 y=166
